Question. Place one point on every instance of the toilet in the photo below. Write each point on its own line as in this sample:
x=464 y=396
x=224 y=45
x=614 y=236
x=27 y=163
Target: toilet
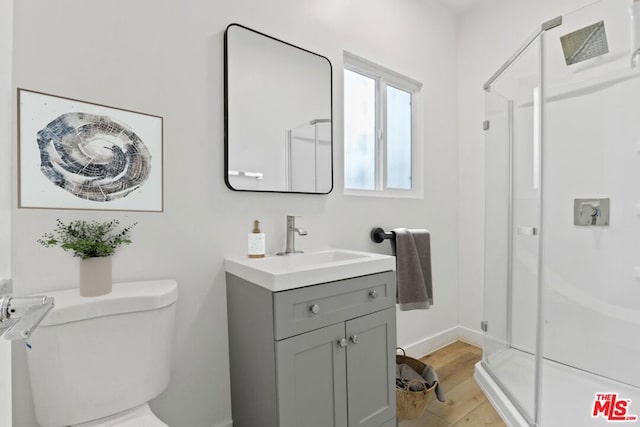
x=96 y=362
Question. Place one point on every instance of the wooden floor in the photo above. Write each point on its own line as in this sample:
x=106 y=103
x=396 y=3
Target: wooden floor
x=466 y=404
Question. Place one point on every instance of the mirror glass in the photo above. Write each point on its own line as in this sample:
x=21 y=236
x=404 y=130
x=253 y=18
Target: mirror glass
x=278 y=115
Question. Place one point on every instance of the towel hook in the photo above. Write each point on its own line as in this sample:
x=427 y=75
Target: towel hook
x=378 y=235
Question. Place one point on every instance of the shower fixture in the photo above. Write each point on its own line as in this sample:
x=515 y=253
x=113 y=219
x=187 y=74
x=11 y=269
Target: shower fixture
x=585 y=43
x=588 y=212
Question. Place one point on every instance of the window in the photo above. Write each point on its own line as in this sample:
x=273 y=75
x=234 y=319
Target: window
x=382 y=150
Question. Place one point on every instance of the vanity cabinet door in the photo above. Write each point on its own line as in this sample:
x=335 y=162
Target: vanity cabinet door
x=311 y=372
x=371 y=368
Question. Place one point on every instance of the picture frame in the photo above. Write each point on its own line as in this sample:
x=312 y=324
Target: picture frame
x=75 y=154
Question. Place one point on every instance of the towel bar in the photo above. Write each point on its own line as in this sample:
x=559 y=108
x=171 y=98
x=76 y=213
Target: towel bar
x=378 y=235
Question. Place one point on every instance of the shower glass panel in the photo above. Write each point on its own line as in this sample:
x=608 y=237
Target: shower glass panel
x=592 y=151
x=512 y=226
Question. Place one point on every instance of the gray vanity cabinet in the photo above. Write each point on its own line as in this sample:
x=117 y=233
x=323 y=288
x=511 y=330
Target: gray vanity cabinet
x=312 y=386
x=371 y=371
x=314 y=370
x=318 y=356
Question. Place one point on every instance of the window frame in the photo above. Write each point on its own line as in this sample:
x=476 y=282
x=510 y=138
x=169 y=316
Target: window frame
x=384 y=77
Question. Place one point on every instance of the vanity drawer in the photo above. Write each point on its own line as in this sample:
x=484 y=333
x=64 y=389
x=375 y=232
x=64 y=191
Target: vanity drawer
x=312 y=307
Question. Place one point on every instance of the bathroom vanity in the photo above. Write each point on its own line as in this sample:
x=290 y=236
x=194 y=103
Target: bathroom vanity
x=320 y=354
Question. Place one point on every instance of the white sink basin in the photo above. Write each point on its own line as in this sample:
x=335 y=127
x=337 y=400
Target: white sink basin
x=280 y=273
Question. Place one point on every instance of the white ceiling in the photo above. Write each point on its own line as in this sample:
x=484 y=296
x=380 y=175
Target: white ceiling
x=460 y=6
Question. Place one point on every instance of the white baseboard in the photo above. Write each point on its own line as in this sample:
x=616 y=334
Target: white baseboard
x=430 y=344
x=470 y=336
x=228 y=423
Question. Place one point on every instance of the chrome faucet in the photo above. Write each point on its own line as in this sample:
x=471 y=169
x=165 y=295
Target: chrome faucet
x=291 y=236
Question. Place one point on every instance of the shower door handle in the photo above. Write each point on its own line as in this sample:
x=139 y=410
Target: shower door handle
x=525 y=230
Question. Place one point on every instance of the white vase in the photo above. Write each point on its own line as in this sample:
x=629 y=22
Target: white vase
x=95 y=276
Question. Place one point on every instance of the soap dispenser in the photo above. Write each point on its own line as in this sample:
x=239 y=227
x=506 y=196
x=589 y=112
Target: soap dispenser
x=256 y=241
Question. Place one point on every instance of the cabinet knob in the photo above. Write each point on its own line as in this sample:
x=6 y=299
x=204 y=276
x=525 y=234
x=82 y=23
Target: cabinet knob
x=315 y=308
x=342 y=342
x=354 y=339
x=373 y=294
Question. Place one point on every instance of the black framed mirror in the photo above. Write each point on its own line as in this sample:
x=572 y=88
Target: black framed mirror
x=278 y=115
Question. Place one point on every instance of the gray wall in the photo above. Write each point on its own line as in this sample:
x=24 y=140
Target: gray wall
x=165 y=57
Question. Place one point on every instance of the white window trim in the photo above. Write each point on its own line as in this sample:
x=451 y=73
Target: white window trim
x=384 y=76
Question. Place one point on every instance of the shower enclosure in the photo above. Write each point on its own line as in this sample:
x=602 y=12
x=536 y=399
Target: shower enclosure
x=562 y=224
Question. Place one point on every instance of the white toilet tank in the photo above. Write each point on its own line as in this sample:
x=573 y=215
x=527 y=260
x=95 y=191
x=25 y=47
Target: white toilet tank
x=95 y=357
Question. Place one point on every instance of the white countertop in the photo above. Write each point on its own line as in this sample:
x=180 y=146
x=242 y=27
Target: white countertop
x=280 y=273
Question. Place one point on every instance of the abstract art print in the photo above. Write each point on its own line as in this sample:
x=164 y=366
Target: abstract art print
x=80 y=155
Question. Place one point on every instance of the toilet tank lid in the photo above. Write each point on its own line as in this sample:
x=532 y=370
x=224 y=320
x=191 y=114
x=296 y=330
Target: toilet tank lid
x=128 y=297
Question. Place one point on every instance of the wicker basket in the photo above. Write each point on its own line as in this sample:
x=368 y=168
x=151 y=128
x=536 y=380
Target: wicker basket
x=412 y=404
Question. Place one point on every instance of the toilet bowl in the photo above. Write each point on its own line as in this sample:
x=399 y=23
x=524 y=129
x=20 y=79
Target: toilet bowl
x=96 y=362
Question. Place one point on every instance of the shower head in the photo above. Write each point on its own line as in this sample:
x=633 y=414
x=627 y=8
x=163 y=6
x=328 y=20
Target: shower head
x=585 y=43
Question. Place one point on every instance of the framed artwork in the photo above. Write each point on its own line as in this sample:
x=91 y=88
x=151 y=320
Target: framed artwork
x=79 y=155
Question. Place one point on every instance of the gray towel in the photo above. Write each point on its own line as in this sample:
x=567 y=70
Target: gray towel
x=430 y=376
x=408 y=378
x=412 y=249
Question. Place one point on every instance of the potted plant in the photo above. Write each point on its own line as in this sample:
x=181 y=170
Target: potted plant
x=93 y=242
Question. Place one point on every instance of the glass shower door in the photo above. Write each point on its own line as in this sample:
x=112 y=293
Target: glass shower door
x=512 y=229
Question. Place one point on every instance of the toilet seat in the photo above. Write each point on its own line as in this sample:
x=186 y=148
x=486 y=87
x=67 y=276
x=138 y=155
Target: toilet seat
x=140 y=416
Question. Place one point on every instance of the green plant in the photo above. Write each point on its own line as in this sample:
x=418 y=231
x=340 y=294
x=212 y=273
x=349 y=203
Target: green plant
x=87 y=239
